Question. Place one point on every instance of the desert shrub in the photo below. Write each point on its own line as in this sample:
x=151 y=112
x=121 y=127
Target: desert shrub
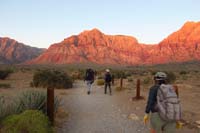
x=2 y=85
x=130 y=79
x=30 y=121
x=146 y=80
x=171 y=77
x=184 y=77
x=78 y=75
x=118 y=88
x=153 y=72
x=182 y=72
x=52 y=79
x=127 y=73
x=119 y=74
x=100 y=82
x=5 y=73
x=100 y=77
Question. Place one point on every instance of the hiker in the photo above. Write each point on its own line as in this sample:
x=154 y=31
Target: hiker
x=108 y=80
x=160 y=119
x=89 y=78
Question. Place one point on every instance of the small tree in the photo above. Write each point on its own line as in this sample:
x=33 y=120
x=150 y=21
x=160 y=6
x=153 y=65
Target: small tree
x=50 y=80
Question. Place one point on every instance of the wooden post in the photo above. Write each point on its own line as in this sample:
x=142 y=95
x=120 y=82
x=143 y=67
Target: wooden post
x=138 y=89
x=50 y=104
x=138 y=97
x=121 y=83
x=176 y=90
x=113 y=79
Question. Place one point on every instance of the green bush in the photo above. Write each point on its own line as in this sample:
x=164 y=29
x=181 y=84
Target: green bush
x=130 y=79
x=182 y=72
x=153 y=73
x=4 y=85
x=5 y=73
x=146 y=80
x=78 y=75
x=30 y=121
x=100 y=77
x=100 y=81
x=119 y=74
x=52 y=79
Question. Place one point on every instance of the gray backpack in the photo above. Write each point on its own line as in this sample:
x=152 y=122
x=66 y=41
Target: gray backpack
x=168 y=103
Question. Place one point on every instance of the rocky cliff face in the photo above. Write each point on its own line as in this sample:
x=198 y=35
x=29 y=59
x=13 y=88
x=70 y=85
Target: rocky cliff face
x=12 y=52
x=182 y=45
x=94 y=46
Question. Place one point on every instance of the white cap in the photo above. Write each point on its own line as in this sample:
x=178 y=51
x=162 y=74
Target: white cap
x=107 y=70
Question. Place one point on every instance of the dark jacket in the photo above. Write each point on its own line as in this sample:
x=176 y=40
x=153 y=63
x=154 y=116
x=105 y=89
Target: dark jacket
x=152 y=100
x=89 y=75
x=108 y=77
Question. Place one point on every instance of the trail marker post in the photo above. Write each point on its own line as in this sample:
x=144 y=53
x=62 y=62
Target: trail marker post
x=137 y=97
x=50 y=104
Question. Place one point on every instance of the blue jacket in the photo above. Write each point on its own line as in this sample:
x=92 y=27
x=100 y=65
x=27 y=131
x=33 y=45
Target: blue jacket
x=152 y=100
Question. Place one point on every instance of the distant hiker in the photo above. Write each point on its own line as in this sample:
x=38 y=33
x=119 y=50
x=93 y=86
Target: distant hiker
x=108 y=80
x=89 y=78
x=164 y=106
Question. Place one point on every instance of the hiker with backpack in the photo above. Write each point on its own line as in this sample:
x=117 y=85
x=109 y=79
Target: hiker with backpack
x=164 y=106
x=89 y=78
x=108 y=79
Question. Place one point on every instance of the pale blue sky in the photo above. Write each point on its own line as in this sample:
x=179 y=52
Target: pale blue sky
x=41 y=23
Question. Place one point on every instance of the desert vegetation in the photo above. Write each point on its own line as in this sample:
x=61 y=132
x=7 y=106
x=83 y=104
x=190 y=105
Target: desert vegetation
x=24 y=88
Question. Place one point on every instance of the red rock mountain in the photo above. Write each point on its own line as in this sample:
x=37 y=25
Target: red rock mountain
x=94 y=46
x=12 y=52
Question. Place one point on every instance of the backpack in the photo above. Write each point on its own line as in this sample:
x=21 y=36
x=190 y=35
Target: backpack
x=108 y=77
x=89 y=74
x=168 y=103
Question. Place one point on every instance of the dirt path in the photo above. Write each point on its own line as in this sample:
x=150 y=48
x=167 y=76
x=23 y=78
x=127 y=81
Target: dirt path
x=98 y=113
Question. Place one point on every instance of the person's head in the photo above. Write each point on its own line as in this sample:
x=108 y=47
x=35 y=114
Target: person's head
x=107 y=70
x=160 y=77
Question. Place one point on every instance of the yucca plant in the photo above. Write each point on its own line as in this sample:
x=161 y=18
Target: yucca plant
x=35 y=100
x=28 y=100
x=7 y=108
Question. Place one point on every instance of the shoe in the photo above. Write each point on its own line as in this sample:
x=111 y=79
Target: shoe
x=88 y=92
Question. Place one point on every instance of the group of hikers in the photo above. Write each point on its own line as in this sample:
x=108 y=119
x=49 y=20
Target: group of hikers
x=89 y=78
x=163 y=105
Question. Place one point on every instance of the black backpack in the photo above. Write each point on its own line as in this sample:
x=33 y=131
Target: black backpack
x=108 y=77
x=89 y=74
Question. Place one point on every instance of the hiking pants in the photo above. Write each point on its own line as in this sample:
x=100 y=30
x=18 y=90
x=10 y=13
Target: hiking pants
x=89 y=85
x=107 y=84
x=158 y=124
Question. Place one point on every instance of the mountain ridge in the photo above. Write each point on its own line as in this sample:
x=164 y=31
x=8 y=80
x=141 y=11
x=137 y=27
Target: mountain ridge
x=14 y=52
x=97 y=47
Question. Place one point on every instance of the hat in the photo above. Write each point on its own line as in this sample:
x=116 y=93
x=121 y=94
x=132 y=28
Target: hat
x=160 y=76
x=107 y=70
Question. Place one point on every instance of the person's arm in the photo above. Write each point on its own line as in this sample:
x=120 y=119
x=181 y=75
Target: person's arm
x=150 y=103
x=151 y=99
